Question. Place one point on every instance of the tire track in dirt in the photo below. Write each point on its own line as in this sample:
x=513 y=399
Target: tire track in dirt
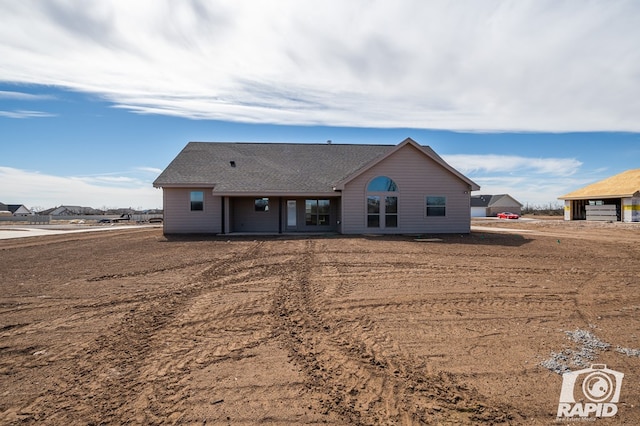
x=148 y=271
x=225 y=322
x=162 y=381
x=205 y=337
x=98 y=390
x=361 y=373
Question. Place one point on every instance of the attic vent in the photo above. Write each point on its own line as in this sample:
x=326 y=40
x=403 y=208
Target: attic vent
x=232 y=163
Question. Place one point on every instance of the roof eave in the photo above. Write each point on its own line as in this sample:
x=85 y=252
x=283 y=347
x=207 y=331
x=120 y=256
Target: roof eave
x=292 y=194
x=592 y=196
x=183 y=185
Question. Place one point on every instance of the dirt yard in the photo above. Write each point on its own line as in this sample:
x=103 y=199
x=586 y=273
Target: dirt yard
x=130 y=327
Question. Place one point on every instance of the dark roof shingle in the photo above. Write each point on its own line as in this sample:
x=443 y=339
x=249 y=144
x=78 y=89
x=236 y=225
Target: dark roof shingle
x=275 y=167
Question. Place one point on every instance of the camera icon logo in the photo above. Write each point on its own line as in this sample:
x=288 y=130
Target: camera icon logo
x=593 y=391
x=598 y=387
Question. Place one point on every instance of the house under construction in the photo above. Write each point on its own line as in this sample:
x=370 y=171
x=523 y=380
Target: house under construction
x=613 y=199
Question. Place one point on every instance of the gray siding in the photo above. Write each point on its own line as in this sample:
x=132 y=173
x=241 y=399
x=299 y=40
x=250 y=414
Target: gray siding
x=245 y=218
x=301 y=226
x=416 y=176
x=179 y=219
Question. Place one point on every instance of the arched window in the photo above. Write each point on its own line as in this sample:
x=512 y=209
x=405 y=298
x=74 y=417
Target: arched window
x=382 y=184
x=382 y=207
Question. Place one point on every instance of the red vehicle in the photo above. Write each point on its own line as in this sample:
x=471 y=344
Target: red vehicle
x=508 y=215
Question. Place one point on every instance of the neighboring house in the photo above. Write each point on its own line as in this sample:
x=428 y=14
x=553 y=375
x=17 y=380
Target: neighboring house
x=69 y=211
x=15 y=209
x=19 y=210
x=491 y=205
x=278 y=187
x=613 y=199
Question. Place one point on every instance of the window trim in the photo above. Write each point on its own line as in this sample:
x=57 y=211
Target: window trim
x=427 y=205
x=192 y=201
x=368 y=214
x=316 y=202
x=395 y=214
x=392 y=191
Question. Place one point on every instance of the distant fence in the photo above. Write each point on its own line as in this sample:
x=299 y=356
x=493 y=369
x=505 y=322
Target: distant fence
x=145 y=217
x=43 y=219
x=46 y=219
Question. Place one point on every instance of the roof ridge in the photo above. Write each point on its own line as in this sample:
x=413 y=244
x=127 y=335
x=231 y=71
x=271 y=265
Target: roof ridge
x=292 y=143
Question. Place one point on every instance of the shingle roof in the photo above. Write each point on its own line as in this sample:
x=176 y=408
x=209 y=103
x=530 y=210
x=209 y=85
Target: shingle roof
x=14 y=207
x=278 y=167
x=480 y=200
x=625 y=184
x=489 y=200
x=270 y=167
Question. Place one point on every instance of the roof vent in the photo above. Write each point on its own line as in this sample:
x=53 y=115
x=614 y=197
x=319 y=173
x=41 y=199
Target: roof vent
x=232 y=163
x=329 y=142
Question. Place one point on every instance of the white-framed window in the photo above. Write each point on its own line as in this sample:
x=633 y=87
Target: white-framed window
x=435 y=205
x=196 y=199
x=382 y=203
x=373 y=211
x=390 y=212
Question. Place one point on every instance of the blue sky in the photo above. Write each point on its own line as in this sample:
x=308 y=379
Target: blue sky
x=531 y=98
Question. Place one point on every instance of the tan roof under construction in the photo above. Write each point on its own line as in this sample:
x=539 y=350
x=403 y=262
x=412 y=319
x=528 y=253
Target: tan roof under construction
x=625 y=184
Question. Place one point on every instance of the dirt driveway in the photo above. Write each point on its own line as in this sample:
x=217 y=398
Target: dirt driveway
x=133 y=327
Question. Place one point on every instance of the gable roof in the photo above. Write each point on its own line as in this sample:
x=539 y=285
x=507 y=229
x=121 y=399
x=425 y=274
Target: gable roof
x=15 y=207
x=625 y=184
x=240 y=167
x=490 y=200
x=426 y=150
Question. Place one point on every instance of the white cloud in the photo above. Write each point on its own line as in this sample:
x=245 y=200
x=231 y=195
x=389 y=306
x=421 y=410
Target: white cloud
x=23 y=96
x=473 y=164
x=494 y=65
x=533 y=181
x=20 y=96
x=36 y=189
x=25 y=114
x=152 y=170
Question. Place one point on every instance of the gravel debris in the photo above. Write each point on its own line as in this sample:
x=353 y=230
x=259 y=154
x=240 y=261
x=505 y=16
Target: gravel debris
x=557 y=362
x=583 y=357
x=628 y=351
x=588 y=340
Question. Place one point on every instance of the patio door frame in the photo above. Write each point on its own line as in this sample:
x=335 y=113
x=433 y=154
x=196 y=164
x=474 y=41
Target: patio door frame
x=292 y=214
